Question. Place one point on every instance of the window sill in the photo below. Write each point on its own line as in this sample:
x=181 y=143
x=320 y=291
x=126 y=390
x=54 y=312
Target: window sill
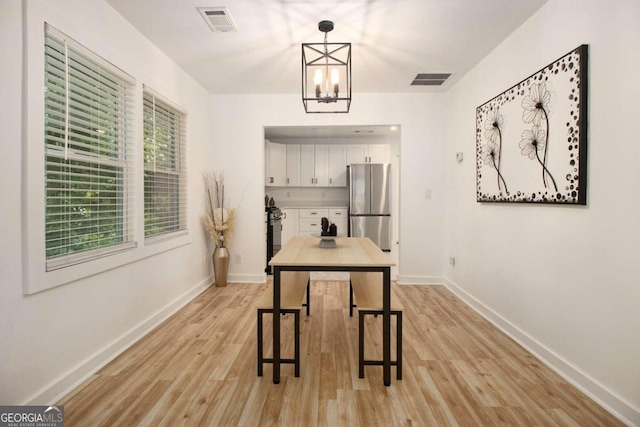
x=37 y=279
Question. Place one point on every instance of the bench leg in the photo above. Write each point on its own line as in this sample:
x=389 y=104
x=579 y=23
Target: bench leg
x=308 y=304
x=260 y=349
x=296 y=342
x=399 y=345
x=360 y=345
x=362 y=362
x=351 y=305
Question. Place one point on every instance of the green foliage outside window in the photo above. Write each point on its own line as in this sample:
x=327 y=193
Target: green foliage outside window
x=85 y=152
x=163 y=130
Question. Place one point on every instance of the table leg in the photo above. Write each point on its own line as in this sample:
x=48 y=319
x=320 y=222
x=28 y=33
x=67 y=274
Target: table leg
x=386 y=325
x=276 y=325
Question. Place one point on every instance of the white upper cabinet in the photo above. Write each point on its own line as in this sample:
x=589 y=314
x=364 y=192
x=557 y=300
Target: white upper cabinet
x=307 y=165
x=314 y=165
x=276 y=164
x=337 y=166
x=367 y=153
x=321 y=165
x=357 y=153
x=293 y=165
x=378 y=153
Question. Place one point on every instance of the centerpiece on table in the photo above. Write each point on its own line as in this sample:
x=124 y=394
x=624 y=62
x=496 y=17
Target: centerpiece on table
x=328 y=235
x=219 y=222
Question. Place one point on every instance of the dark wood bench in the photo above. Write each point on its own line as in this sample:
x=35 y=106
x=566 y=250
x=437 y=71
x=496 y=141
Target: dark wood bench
x=294 y=285
x=366 y=289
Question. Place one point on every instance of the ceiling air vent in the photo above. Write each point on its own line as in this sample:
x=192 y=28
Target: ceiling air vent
x=430 y=79
x=218 y=19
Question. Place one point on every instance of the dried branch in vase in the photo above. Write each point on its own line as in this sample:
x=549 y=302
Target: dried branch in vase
x=218 y=221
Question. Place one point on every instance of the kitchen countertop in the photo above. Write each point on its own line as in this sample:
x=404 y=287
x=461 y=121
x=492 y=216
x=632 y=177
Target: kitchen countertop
x=311 y=204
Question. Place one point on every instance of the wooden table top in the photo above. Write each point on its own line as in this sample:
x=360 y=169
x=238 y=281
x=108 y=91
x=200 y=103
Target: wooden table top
x=349 y=252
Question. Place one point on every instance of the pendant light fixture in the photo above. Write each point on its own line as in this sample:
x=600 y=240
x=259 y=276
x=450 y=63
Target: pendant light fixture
x=326 y=75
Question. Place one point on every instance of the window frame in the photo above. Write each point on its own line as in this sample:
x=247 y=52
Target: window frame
x=79 y=85
x=180 y=159
x=35 y=277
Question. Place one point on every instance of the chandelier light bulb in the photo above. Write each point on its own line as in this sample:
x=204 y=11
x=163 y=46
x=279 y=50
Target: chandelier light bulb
x=317 y=80
x=335 y=80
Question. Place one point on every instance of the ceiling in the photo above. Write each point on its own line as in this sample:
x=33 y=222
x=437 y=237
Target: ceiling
x=298 y=134
x=393 y=40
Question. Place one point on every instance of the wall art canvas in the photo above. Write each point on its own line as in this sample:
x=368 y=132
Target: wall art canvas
x=531 y=140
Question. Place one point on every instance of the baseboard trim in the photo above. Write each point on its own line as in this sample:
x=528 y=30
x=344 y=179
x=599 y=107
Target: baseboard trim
x=67 y=382
x=246 y=278
x=419 y=280
x=617 y=406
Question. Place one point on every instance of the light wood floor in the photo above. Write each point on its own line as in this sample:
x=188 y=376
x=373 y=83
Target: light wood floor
x=199 y=368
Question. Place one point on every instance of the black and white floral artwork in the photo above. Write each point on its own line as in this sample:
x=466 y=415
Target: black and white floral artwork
x=531 y=140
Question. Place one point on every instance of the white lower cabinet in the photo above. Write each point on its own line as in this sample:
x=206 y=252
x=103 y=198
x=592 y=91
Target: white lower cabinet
x=311 y=220
x=308 y=221
x=314 y=212
x=339 y=217
x=309 y=226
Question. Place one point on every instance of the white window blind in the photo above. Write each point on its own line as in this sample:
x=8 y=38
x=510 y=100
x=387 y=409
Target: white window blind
x=165 y=185
x=88 y=154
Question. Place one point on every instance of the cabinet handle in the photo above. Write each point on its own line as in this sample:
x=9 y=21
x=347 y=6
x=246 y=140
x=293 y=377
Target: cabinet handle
x=271 y=180
x=314 y=225
x=284 y=215
x=313 y=213
x=287 y=180
x=312 y=180
x=329 y=180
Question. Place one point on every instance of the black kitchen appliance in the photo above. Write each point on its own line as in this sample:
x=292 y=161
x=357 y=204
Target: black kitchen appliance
x=273 y=216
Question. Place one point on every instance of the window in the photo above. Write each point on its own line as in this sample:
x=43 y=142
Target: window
x=164 y=167
x=88 y=160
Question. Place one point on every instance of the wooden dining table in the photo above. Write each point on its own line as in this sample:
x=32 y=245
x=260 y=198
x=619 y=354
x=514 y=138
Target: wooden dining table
x=349 y=254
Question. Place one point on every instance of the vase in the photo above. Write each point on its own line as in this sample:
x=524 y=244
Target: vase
x=220 y=266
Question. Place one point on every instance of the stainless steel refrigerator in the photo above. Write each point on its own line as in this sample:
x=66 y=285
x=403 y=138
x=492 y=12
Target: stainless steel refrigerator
x=370 y=202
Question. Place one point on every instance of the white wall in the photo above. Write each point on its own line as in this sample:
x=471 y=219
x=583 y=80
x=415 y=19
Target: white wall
x=239 y=122
x=50 y=340
x=565 y=281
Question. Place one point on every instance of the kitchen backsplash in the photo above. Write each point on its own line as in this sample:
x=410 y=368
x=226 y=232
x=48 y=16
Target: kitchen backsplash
x=315 y=196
